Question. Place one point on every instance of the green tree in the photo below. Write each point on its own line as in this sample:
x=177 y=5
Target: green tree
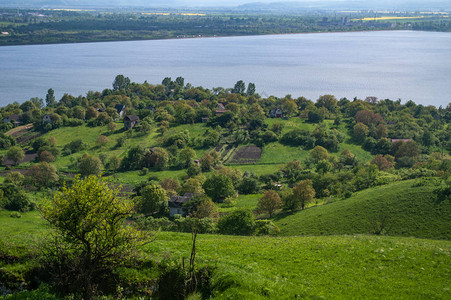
x=102 y=140
x=111 y=127
x=16 y=154
x=327 y=101
x=42 y=174
x=360 y=132
x=301 y=194
x=91 y=239
x=319 y=153
x=151 y=198
x=50 y=98
x=239 y=87
x=186 y=157
x=248 y=185
x=206 y=162
x=159 y=158
x=218 y=187
x=89 y=165
x=121 y=83
x=269 y=202
x=238 y=222
x=250 y=89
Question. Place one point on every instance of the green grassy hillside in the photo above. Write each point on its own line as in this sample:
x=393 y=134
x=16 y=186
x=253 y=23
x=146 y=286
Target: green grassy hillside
x=329 y=267
x=403 y=208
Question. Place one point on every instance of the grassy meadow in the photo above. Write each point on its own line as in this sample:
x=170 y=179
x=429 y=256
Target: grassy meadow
x=407 y=208
x=332 y=267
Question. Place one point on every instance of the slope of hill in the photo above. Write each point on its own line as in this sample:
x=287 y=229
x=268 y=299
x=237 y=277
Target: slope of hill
x=401 y=209
x=328 y=267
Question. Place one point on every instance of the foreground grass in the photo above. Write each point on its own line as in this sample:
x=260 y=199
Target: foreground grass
x=330 y=267
x=406 y=209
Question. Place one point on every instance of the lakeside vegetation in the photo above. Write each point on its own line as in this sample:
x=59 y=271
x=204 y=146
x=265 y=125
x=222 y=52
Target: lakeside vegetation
x=331 y=197
x=44 y=26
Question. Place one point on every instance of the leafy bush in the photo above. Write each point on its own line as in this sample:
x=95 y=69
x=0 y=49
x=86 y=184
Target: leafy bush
x=15 y=198
x=238 y=222
x=74 y=146
x=6 y=141
x=266 y=227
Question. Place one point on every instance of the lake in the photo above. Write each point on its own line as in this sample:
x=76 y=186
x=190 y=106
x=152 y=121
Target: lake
x=387 y=64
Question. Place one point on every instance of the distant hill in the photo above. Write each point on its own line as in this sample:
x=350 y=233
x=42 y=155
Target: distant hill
x=241 y=4
x=406 y=209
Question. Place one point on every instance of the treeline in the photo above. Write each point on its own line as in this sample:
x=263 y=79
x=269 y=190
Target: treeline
x=33 y=27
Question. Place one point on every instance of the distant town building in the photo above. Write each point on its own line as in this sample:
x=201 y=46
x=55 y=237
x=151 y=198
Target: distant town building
x=175 y=204
x=120 y=108
x=131 y=121
x=401 y=140
x=276 y=113
x=15 y=119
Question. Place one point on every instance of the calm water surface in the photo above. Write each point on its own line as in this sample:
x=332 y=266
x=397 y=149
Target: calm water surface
x=386 y=64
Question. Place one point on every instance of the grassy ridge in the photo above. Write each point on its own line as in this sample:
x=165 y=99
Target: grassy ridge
x=408 y=210
x=332 y=267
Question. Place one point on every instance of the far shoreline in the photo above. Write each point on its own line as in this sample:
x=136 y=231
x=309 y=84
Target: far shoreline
x=214 y=36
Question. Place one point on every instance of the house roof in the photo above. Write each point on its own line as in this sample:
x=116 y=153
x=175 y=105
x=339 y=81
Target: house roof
x=14 y=117
x=119 y=107
x=401 y=140
x=178 y=201
x=221 y=106
x=131 y=118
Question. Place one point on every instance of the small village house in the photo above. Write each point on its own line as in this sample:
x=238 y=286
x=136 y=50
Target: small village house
x=120 y=108
x=276 y=113
x=176 y=204
x=16 y=120
x=47 y=119
x=130 y=121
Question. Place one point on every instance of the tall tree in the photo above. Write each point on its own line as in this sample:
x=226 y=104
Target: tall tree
x=250 y=89
x=50 y=98
x=303 y=192
x=269 y=202
x=239 y=87
x=121 y=83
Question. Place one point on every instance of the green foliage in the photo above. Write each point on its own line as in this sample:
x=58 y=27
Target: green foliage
x=15 y=198
x=6 y=141
x=42 y=175
x=218 y=187
x=266 y=227
x=269 y=202
x=74 y=146
x=248 y=185
x=16 y=154
x=89 y=165
x=151 y=198
x=238 y=222
x=91 y=237
x=121 y=82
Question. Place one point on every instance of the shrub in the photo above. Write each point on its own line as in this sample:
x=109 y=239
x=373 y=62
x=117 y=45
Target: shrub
x=74 y=146
x=266 y=227
x=238 y=222
x=248 y=185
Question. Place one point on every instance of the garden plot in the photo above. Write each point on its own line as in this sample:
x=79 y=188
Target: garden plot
x=246 y=155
